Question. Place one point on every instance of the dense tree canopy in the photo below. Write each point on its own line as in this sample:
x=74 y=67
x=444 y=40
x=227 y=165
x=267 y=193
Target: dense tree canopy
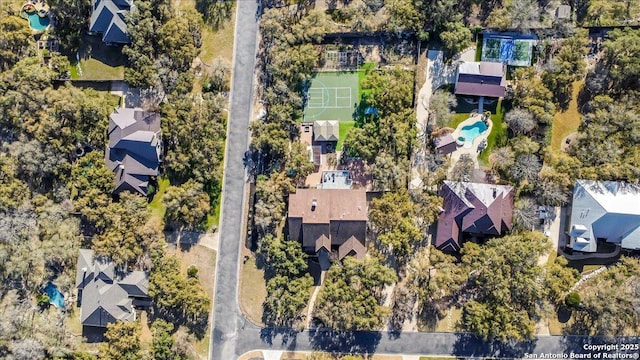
x=15 y=39
x=187 y=205
x=181 y=300
x=352 y=295
x=609 y=305
x=393 y=218
x=163 y=44
x=194 y=134
x=123 y=342
x=615 y=158
x=505 y=286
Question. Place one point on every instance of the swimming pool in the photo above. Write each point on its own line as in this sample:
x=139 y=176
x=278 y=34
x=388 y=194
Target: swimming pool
x=36 y=22
x=470 y=132
x=55 y=297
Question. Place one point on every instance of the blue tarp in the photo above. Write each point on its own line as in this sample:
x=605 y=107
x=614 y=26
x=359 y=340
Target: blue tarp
x=371 y=110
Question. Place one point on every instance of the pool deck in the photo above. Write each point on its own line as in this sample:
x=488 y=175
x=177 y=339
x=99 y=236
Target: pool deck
x=473 y=149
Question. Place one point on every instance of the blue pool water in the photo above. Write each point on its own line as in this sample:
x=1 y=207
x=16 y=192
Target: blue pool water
x=55 y=297
x=36 y=22
x=470 y=132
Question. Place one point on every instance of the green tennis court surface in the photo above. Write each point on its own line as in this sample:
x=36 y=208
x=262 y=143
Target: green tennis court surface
x=331 y=96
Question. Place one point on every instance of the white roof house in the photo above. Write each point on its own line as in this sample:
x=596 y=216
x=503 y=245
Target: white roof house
x=606 y=210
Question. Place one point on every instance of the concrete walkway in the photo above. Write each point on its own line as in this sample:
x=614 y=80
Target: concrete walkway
x=438 y=74
x=553 y=230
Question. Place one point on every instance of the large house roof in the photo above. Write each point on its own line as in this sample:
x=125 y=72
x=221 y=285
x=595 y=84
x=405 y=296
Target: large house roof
x=134 y=148
x=479 y=209
x=321 y=206
x=326 y=130
x=106 y=294
x=605 y=210
x=481 y=79
x=107 y=18
x=332 y=219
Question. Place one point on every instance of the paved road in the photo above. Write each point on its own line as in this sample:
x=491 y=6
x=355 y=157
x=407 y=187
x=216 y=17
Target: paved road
x=227 y=317
x=449 y=344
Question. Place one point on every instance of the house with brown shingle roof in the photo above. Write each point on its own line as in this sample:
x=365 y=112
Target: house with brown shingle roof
x=329 y=222
x=473 y=210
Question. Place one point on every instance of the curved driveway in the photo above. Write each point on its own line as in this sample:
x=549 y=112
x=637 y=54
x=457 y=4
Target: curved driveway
x=232 y=335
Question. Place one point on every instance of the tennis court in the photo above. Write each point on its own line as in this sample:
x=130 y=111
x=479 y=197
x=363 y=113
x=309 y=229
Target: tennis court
x=331 y=96
x=513 y=51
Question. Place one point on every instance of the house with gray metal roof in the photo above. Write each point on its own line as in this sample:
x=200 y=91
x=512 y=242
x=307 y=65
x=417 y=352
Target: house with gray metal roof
x=134 y=150
x=473 y=210
x=107 y=19
x=605 y=211
x=106 y=294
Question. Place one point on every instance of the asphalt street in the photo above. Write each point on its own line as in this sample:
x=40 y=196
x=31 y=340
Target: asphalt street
x=227 y=318
x=232 y=335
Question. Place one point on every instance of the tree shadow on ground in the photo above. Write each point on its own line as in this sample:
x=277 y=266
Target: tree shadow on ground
x=287 y=336
x=92 y=47
x=563 y=314
x=468 y=345
x=358 y=342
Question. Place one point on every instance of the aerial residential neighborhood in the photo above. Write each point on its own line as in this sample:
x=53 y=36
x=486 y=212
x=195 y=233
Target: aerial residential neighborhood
x=319 y=180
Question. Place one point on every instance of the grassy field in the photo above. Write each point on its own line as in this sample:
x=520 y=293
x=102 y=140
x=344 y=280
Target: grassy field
x=253 y=290
x=156 y=205
x=344 y=129
x=457 y=119
x=566 y=122
x=93 y=69
x=218 y=43
x=98 y=61
x=215 y=42
x=499 y=130
x=213 y=219
x=446 y=325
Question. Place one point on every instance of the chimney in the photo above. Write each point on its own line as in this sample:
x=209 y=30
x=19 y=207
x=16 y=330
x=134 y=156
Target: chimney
x=314 y=203
x=495 y=192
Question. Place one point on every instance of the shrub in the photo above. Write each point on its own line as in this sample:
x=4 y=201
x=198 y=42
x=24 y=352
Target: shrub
x=192 y=271
x=572 y=300
x=43 y=300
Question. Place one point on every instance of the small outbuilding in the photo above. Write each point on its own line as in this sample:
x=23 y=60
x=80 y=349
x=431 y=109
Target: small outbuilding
x=563 y=12
x=326 y=130
x=445 y=144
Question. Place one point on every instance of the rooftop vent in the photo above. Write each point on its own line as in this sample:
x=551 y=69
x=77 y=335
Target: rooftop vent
x=314 y=203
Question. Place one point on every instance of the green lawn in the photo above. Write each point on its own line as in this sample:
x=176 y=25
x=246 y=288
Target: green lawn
x=362 y=74
x=344 y=128
x=499 y=130
x=156 y=205
x=93 y=69
x=566 y=122
x=99 y=61
x=214 y=218
x=457 y=119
